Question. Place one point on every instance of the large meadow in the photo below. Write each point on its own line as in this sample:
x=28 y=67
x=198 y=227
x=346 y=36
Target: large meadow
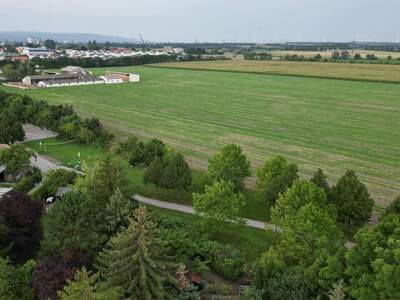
x=318 y=123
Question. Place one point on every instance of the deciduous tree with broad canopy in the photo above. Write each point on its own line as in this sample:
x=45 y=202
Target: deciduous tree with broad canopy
x=219 y=205
x=230 y=164
x=373 y=264
x=275 y=176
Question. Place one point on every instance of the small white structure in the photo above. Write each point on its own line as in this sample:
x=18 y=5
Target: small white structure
x=112 y=79
x=126 y=77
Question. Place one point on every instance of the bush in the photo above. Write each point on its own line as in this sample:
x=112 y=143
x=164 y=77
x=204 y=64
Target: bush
x=54 y=180
x=226 y=260
x=26 y=183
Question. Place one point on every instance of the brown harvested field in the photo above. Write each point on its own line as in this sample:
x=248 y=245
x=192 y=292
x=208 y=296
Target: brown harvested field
x=366 y=72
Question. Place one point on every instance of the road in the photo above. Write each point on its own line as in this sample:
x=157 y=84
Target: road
x=45 y=165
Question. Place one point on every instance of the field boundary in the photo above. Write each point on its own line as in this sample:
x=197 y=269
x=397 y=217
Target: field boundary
x=275 y=74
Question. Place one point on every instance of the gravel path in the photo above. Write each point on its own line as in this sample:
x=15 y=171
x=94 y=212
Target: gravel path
x=189 y=210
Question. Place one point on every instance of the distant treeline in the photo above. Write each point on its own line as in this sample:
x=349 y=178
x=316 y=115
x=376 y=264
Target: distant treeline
x=337 y=56
x=60 y=62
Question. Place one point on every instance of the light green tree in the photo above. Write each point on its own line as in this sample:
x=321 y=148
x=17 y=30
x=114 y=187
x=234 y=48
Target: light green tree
x=310 y=238
x=219 y=205
x=85 y=286
x=134 y=261
x=373 y=264
x=230 y=164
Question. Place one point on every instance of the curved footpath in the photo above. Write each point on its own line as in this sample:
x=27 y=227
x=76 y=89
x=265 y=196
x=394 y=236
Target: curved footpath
x=189 y=210
x=45 y=165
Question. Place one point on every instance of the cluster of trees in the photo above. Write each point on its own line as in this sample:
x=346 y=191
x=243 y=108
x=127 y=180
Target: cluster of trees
x=257 y=56
x=60 y=62
x=310 y=259
x=338 y=56
x=18 y=167
x=164 y=167
x=16 y=110
x=15 y=71
x=96 y=241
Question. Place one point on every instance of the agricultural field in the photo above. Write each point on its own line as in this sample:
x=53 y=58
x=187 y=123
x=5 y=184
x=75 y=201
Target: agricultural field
x=330 y=124
x=361 y=72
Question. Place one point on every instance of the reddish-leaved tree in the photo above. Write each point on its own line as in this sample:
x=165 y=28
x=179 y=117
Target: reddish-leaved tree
x=22 y=215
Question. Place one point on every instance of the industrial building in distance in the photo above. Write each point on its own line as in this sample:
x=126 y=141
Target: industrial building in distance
x=71 y=76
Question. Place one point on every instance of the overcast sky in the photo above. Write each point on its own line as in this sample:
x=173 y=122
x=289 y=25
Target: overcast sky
x=210 y=20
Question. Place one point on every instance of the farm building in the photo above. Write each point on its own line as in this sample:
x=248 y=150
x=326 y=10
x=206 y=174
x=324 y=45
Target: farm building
x=125 y=77
x=57 y=80
x=112 y=78
x=72 y=75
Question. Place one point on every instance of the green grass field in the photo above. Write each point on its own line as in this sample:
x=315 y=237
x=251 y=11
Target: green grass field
x=331 y=124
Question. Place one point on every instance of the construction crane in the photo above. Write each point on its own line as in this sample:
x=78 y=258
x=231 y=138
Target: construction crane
x=141 y=38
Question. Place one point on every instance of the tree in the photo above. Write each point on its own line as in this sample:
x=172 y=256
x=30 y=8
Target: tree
x=51 y=273
x=230 y=164
x=394 y=207
x=15 y=282
x=357 y=56
x=53 y=180
x=5 y=247
x=290 y=284
x=101 y=180
x=10 y=129
x=50 y=44
x=335 y=55
x=153 y=148
x=176 y=174
x=16 y=158
x=310 y=238
x=71 y=224
x=373 y=264
x=118 y=211
x=219 y=205
x=22 y=217
x=319 y=179
x=134 y=260
x=275 y=177
x=154 y=172
x=84 y=286
x=126 y=146
x=352 y=200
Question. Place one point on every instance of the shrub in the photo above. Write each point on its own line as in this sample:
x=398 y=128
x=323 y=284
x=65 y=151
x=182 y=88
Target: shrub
x=54 y=179
x=26 y=183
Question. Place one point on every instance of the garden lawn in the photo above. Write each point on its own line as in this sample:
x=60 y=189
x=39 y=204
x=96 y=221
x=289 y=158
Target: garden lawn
x=252 y=242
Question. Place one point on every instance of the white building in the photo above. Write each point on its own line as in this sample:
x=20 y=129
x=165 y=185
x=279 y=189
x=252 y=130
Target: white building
x=112 y=78
x=37 y=52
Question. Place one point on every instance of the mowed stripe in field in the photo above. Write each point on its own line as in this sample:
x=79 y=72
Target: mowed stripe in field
x=330 y=124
